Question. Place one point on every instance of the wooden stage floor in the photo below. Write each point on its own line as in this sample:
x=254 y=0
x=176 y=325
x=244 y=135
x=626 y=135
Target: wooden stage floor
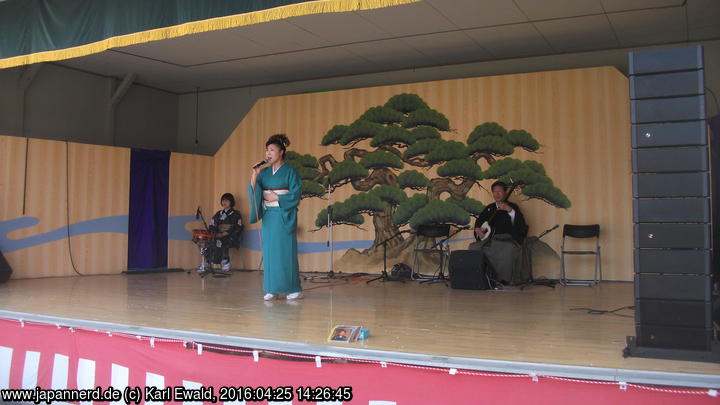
x=535 y=325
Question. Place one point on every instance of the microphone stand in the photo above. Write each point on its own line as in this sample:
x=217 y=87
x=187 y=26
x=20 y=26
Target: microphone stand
x=458 y=230
x=330 y=274
x=441 y=275
x=532 y=280
x=257 y=215
x=384 y=276
x=199 y=215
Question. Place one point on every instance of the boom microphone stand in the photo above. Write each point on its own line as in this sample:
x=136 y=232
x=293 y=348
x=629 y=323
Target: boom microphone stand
x=384 y=276
x=440 y=278
x=533 y=281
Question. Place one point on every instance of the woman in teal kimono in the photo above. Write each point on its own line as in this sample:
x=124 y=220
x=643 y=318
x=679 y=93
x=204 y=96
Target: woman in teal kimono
x=274 y=198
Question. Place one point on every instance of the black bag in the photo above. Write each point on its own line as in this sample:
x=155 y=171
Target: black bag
x=401 y=271
x=467 y=270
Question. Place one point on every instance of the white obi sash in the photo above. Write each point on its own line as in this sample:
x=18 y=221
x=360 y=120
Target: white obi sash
x=278 y=191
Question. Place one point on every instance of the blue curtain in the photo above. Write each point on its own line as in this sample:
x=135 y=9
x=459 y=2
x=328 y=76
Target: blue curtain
x=148 y=222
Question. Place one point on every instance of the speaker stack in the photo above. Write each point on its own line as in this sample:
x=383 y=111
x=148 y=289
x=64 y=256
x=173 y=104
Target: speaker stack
x=672 y=210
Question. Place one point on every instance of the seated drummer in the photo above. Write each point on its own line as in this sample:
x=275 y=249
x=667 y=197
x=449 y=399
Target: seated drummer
x=227 y=225
x=508 y=232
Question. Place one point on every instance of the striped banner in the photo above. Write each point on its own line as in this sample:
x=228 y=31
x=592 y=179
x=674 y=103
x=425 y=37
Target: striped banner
x=157 y=370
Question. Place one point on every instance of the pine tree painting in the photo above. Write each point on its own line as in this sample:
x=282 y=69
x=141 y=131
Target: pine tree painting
x=388 y=151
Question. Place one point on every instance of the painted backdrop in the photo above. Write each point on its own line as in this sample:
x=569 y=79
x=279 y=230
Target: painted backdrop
x=398 y=156
x=382 y=159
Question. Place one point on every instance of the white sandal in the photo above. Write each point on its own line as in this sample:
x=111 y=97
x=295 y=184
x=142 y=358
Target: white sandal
x=295 y=296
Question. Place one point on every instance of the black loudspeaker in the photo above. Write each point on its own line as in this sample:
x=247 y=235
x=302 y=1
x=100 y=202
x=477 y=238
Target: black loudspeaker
x=467 y=270
x=5 y=270
x=672 y=208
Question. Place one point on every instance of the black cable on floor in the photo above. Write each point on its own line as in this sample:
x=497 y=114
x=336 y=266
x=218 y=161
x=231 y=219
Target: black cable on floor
x=27 y=150
x=67 y=205
x=593 y=311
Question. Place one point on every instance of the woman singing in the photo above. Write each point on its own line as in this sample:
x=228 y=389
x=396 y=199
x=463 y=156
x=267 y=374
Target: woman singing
x=274 y=196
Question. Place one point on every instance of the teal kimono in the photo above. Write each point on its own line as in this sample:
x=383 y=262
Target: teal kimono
x=279 y=226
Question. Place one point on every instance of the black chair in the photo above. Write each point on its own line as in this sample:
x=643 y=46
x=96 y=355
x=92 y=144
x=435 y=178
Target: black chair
x=581 y=232
x=426 y=235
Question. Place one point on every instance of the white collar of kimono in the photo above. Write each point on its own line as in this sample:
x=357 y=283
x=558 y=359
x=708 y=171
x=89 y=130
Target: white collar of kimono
x=275 y=170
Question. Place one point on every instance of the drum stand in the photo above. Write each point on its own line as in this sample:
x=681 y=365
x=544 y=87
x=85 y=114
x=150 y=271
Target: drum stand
x=203 y=247
x=204 y=265
x=207 y=268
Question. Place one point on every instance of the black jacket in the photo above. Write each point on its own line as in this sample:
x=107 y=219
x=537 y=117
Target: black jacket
x=228 y=221
x=502 y=223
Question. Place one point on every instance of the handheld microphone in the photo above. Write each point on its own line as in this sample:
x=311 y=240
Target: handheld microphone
x=197 y=213
x=260 y=163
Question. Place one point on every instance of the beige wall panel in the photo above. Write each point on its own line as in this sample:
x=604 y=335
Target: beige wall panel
x=191 y=186
x=98 y=188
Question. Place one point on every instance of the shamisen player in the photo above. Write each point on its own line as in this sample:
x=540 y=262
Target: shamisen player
x=502 y=248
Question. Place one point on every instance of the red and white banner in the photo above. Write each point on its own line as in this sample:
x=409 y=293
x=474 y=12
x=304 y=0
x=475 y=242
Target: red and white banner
x=61 y=358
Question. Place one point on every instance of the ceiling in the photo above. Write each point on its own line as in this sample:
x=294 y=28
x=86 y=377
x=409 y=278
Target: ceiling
x=427 y=33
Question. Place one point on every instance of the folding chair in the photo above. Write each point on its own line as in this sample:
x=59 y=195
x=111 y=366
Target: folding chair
x=581 y=232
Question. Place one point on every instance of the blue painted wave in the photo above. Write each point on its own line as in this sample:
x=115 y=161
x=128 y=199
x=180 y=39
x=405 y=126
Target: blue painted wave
x=176 y=231
x=176 y=227
x=251 y=240
x=114 y=224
